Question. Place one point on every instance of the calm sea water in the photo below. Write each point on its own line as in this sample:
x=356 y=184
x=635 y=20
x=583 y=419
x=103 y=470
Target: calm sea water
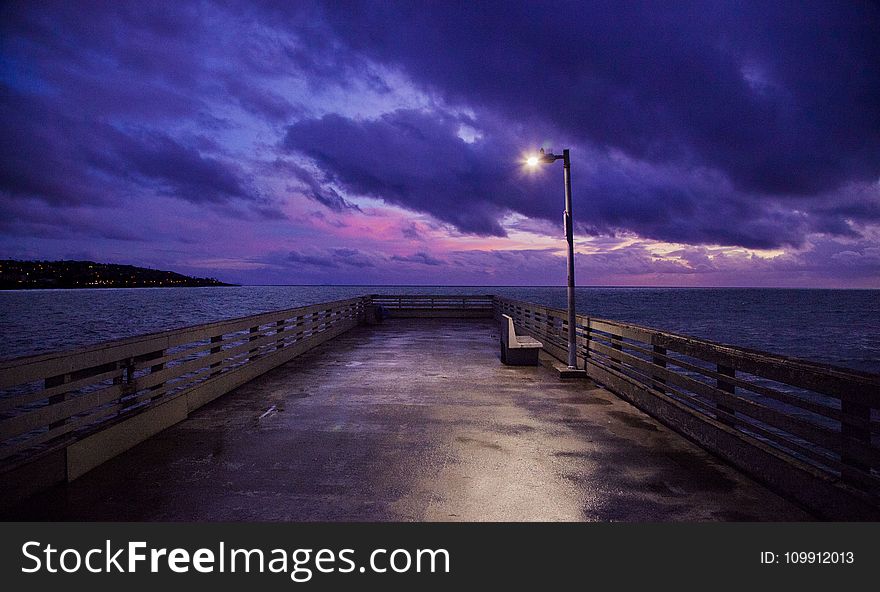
x=835 y=326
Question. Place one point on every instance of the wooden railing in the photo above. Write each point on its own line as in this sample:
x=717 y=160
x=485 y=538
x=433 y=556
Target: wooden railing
x=48 y=402
x=470 y=306
x=785 y=420
x=810 y=414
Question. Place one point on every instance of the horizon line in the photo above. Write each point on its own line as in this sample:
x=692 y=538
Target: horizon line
x=541 y=286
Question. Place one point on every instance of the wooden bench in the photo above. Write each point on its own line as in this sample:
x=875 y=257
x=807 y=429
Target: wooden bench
x=517 y=350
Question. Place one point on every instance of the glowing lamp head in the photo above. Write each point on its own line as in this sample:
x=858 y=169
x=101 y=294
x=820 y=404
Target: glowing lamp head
x=532 y=161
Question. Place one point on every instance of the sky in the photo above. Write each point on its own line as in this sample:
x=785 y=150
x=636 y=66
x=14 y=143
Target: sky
x=712 y=143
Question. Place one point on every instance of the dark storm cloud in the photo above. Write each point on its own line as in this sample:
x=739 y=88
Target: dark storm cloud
x=104 y=59
x=330 y=258
x=416 y=159
x=99 y=104
x=42 y=153
x=312 y=259
x=65 y=160
x=261 y=102
x=421 y=258
x=410 y=158
x=315 y=186
x=353 y=257
x=782 y=97
x=739 y=123
x=181 y=170
x=53 y=154
x=20 y=219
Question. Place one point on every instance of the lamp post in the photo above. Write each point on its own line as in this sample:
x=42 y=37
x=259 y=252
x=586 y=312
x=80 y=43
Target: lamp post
x=541 y=157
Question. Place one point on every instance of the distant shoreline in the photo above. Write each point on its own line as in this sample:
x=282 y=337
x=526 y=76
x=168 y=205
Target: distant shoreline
x=78 y=275
x=59 y=288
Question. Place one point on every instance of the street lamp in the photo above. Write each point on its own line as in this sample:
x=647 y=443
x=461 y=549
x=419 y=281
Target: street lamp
x=534 y=161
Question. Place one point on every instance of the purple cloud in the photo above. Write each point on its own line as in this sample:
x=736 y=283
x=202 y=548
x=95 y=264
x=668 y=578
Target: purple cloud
x=702 y=125
x=409 y=158
x=421 y=258
x=331 y=258
x=779 y=99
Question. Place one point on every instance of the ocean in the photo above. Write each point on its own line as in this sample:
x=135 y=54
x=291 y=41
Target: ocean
x=839 y=327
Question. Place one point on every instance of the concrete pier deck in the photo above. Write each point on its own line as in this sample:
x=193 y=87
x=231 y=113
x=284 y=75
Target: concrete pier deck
x=413 y=420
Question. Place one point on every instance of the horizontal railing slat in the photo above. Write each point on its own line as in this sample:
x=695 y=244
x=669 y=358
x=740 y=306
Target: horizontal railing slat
x=21 y=370
x=814 y=407
x=706 y=408
x=794 y=425
x=57 y=394
x=12 y=402
x=818 y=411
x=44 y=416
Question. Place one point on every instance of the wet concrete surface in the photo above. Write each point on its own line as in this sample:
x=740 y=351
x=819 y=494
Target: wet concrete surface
x=414 y=421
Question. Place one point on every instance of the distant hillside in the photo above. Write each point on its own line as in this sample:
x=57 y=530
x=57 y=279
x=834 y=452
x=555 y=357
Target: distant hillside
x=24 y=275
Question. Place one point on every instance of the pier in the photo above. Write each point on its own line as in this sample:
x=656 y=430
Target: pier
x=328 y=412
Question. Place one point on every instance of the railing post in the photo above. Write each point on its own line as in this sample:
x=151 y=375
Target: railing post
x=854 y=436
x=127 y=382
x=59 y=398
x=279 y=344
x=129 y=371
x=157 y=368
x=118 y=380
x=659 y=383
x=119 y=365
x=616 y=344
x=558 y=324
x=216 y=350
x=728 y=387
x=252 y=353
x=587 y=337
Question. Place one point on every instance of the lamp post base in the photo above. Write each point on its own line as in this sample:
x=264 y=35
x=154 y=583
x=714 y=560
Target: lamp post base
x=561 y=368
x=566 y=373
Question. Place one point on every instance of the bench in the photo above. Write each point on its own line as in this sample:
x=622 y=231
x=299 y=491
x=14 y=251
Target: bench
x=517 y=350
